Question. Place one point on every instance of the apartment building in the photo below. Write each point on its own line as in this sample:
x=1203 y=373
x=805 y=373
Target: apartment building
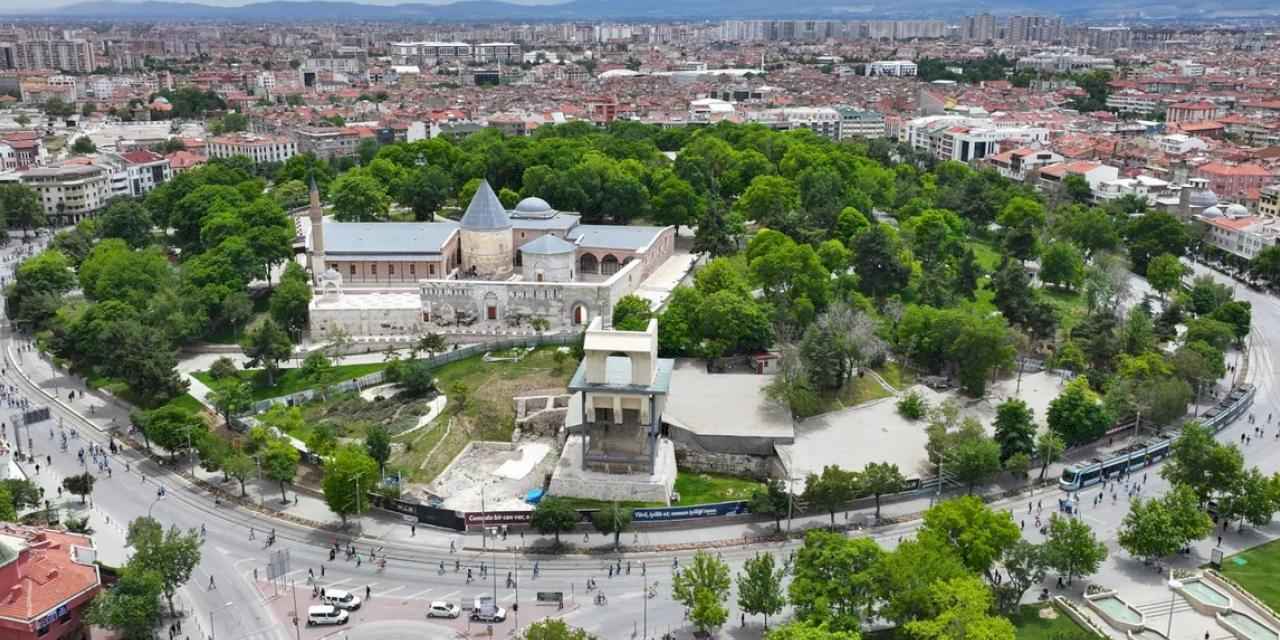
x=1191 y=112
x=860 y=123
x=980 y=28
x=70 y=193
x=438 y=53
x=64 y=55
x=1269 y=202
x=136 y=173
x=1053 y=176
x=327 y=142
x=1148 y=188
x=966 y=139
x=1033 y=29
x=1061 y=62
x=1017 y=164
x=823 y=121
x=1235 y=181
x=1231 y=229
x=258 y=148
x=1134 y=101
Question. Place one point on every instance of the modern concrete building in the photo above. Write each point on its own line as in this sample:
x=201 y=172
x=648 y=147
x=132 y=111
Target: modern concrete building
x=860 y=123
x=258 y=148
x=136 y=173
x=64 y=55
x=1269 y=201
x=327 y=143
x=1230 y=228
x=897 y=68
x=70 y=193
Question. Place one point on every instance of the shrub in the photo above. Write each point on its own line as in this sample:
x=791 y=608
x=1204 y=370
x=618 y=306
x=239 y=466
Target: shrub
x=913 y=406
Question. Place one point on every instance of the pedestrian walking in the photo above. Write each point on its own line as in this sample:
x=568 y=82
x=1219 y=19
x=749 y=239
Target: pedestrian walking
x=367 y=592
x=211 y=585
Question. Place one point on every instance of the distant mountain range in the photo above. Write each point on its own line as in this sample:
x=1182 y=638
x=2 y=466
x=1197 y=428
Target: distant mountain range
x=494 y=10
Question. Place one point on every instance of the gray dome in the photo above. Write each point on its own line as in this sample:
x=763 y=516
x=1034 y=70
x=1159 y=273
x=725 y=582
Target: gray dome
x=1212 y=212
x=1236 y=210
x=533 y=205
x=1203 y=198
x=547 y=245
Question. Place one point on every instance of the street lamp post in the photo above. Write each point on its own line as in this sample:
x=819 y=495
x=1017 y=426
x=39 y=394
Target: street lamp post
x=1174 y=585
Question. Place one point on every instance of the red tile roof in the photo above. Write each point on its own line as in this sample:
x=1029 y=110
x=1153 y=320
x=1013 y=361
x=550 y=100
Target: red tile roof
x=1218 y=168
x=141 y=156
x=45 y=572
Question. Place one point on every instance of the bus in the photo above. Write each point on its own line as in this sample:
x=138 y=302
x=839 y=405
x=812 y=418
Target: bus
x=1136 y=456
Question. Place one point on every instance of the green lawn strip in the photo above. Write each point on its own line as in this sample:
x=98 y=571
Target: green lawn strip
x=588 y=503
x=1030 y=626
x=706 y=488
x=896 y=375
x=986 y=253
x=291 y=380
x=186 y=402
x=418 y=444
x=1258 y=573
x=1071 y=305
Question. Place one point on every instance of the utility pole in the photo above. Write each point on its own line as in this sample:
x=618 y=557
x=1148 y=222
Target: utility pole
x=297 y=628
x=645 y=634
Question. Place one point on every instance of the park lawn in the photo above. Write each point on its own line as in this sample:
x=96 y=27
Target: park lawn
x=1259 y=572
x=855 y=392
x=589 y=503
x=897 y=375
x=706 y=488
x=1030 y=626
x=1072 y=306
x=186 y=402
x=417 y=446
x=292 y=381
x=986 y=253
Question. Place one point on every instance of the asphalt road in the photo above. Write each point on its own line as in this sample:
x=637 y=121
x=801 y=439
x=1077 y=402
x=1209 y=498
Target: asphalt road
x=243 y=605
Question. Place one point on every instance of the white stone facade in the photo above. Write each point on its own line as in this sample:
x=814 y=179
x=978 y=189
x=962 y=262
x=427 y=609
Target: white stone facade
x=486 y=254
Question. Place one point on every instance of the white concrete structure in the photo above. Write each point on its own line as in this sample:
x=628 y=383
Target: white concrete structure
x=963 y=138
x=897 y=68
x=1231 y=229
x=258 y=148
x=70 y=193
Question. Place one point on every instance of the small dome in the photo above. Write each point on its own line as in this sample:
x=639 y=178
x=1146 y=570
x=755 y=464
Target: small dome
x=533 y=205
x=1203 y=198
x=1236 y=210
x=1212 y=212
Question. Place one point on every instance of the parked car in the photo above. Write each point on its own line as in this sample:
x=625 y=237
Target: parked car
x=442 y=609
x=342 y=599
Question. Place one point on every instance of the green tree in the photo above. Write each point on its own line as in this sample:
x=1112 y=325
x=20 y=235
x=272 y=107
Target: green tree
x=239 y=465
x=357 y=196
x=280 y=463
x=703 y=587
x=1158 y=527
x=172 y=554
x=1211 y=331
x=230 y=397
x=1153 y=234
x=676 y=203
x=833 y=580
x=267 y=345
x=377 y=443
x=80 y=484
x=20 y=207
x=128 y=220
x=1255 y=498
x=1062 y=264
x=132 y=606
x=773 y=500
x=1021 y=219
x=833 y=489
x=316 y=367
x=1266 y=266
x=631 y=313
x=1164 y=272
x=1201 y=463
x=877 y=261
x=978 y=535
x=350 y=475
x=19 y=495
x=554 y=515
x=880 y=478
x=290 y=299
x=173 y=428
x=1024 y=567
x=1237 y=314
x=760 y=587
x=424 y=190
x=964 y=613
x=799 y=630
x=1071 y=548
x=612 y=519
x=1015 y=429
x=554 y=629
x=972 y=456
x=83 y=145
x=905 y=577
x=1077 y=415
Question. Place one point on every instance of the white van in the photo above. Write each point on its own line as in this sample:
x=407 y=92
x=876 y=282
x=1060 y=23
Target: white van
x=325 y=614
x=342 y=599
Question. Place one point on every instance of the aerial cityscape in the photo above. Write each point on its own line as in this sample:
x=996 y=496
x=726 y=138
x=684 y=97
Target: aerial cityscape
x=639 y=320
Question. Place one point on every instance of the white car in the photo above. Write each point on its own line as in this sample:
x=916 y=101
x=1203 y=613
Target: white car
x=442 y=609
x=342 y=599
x=489 y=613
x=325 y=614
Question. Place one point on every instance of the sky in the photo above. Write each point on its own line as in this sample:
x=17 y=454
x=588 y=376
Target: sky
x=45 y=4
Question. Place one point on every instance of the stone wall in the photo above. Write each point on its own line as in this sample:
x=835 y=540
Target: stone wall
x=543 y=415
x=694 y=458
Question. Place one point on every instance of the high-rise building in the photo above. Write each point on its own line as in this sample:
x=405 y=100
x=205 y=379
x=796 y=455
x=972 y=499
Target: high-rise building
x=1033 y=29
x=980 y=27
x=63 y=55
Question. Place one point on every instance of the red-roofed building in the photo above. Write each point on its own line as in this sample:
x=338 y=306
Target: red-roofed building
x=142 y=171
x=47 y=579
x=1191 y=112
x=1232 y=181
x=184 y=160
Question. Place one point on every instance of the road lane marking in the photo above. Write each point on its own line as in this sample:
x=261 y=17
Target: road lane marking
x=414 y=596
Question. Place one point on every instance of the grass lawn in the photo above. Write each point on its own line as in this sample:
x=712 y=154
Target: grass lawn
x=1072 y=307
x=588 y=503
x=855 y=392
x=986 y=253
x=705 y=488
x=291 y=380
x=1256 y=570
x=1030 y=626
x=186 y=402
x=897 y=375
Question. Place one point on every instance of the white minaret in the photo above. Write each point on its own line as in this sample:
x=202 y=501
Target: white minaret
x=317 y=232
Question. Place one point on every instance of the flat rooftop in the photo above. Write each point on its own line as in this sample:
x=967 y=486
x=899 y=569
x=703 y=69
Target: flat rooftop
x=618 y=378
x=724 y=404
